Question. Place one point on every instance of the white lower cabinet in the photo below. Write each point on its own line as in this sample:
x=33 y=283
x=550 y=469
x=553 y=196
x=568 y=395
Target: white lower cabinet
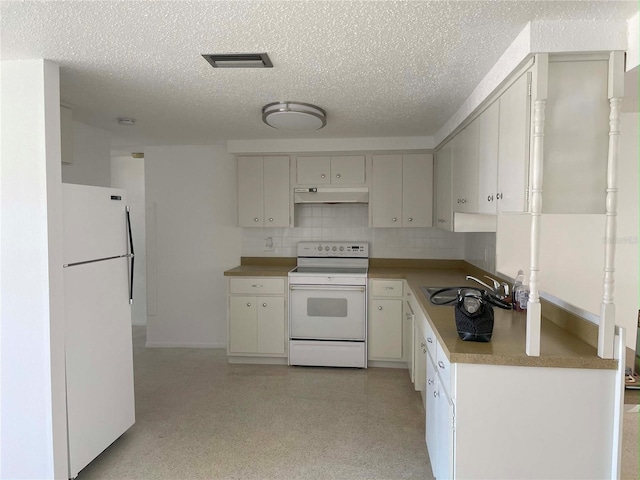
x=440 y=422
x=257 y=322
x=385 y=321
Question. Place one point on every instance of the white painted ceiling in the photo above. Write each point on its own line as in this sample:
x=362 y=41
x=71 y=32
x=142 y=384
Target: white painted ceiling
x=379 y=69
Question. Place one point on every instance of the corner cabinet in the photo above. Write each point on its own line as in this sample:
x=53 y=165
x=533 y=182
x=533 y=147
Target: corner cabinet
x=257 y=317
x=402 y=190
x=263 y=191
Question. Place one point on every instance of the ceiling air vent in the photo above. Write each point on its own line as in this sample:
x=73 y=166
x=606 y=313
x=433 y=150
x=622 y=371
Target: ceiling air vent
x=238 y=60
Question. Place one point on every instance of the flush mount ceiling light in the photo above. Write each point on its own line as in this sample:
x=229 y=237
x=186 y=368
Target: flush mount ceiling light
x=238 y=60
x=294 y=116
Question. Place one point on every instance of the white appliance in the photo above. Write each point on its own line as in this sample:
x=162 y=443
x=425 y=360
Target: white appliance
x=98 y=279
x=328 y=305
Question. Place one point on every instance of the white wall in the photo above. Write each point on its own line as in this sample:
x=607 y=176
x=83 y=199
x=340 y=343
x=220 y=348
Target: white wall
x=32 y=394
x=91 y=157
x=480 y=250
x=128 y=173
x=192 y=239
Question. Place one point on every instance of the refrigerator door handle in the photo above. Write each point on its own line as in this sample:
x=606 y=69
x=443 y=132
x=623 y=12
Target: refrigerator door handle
x=130 y=255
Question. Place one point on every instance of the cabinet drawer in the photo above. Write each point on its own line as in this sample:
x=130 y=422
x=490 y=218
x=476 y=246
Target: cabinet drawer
x=444 y=369
x=257 y=286
x=386 y=288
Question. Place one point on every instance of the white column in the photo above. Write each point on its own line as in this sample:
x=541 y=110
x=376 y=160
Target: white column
x=33 y=398
x=606 y=328
x=539 y=97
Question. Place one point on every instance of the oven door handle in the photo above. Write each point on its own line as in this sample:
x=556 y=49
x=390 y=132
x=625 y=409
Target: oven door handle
x=340 y=288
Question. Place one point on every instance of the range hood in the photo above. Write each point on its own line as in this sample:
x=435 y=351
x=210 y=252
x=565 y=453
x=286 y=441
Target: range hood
x=331 y=195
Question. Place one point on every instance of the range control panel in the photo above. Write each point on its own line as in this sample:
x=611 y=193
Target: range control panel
x=333 y=249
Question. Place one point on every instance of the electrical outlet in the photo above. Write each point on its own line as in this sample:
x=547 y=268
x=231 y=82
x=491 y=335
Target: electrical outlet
x=268 y=244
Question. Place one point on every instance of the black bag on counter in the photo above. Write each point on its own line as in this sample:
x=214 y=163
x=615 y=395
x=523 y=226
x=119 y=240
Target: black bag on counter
x=474 y=317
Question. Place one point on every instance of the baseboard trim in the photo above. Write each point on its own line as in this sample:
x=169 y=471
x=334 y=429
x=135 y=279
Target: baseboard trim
x=149 y=344
x=258 y=360
x=387 y=364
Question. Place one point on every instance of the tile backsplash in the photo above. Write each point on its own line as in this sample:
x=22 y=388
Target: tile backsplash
x=349 y=222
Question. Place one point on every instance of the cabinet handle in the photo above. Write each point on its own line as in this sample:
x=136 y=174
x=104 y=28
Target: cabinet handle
x=490 y=198
x=323 y=176
x=338 y=175
x=424 y=350
x=422 y=344
x=464 y=200
x=394 y=219
x=429 y=381
x=429 y=340
x=435 y=394
x=440 y=220
x=264 y=304
x=499 y=196
x=380 y=308
x=441 y=364
x=410 y=219
x=458 y=200
x=256 y=219
x=388 y=288
x=271 y=219
x=248 y=304
x=257 y=285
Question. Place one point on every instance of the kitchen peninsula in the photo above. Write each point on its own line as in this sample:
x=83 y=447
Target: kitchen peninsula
x=491 y=410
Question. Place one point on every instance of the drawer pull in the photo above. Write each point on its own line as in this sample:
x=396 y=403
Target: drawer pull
x=338 y=175
x=256 y=219
x=380 y=308
x=441 y=364
x=323 y=176
x=264 y=304
x=257 y=285
x=248 y=304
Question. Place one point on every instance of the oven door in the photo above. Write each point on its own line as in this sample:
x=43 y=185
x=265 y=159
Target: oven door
x=319 y=312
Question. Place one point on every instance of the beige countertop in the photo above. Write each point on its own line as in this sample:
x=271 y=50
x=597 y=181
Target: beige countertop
x=558 y=348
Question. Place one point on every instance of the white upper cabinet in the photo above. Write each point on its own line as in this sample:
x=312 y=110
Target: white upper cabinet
x=263 y=191
x=488 y=159
x=334 y=170
x=513 y=147
x=465 y=169
x=386 y=191
x=417 y=190
x=444 y=212
x=402 y=190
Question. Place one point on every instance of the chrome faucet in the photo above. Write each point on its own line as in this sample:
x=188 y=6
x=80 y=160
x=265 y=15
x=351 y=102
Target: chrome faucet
x=501 y=290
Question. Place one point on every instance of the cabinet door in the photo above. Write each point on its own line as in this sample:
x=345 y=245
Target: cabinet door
x=250 y=192
x=386 y=191
x=271 y=321
x=407 y=339
x=444 y=433
x=276 y=191
x=243 y=333
x=313 y=170
x=420 y=353
x=347 y=169
x=444 y=219
x=385 y=329
x=431 y=423
x=488 y=158
x=513 y=147
x=417 y=190
x=465 y=169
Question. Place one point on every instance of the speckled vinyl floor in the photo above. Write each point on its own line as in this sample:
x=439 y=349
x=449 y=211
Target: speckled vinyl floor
x=197 y=417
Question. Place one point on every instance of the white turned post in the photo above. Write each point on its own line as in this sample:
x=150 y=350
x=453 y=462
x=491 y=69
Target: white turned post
x=539 y=97
x=606 y=328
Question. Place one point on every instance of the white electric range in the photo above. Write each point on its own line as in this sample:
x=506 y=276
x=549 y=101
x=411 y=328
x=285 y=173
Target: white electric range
x=328 y=305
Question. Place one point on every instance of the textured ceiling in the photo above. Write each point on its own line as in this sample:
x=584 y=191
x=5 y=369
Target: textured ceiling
x=378 y=68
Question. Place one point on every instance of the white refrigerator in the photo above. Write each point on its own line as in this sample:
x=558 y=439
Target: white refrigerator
x=98 y=279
